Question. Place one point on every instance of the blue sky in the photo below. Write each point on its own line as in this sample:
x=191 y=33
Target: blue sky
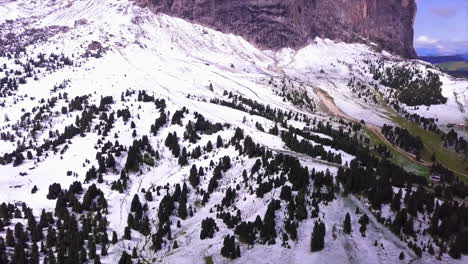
x=441 y=27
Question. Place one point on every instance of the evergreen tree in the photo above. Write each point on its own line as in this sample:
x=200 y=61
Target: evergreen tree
x=183 y=157
x=114 y=237
x=219 y=142
x=34 y=259
x=91 y=248
x=229 y=249
x=347 y=224
x=318 y=237
x=209 y=146
x=194 y=179
x=125 y=258
x=268 y=231
x=51 y=257
x=103 y=249
x=301 y=211
x=395 y=205
x=182 y=210
x=208 y=228
x=10 y=239
x=19 y=254
x=83 y=256
x=408 y=226
x=402 y=256
x=148 y=196
x=363 y=220
x=455 y=251
x=3 y=254
x=127 y=234
x=136 y=207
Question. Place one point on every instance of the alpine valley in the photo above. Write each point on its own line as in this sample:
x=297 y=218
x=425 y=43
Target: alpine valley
x=215 y=131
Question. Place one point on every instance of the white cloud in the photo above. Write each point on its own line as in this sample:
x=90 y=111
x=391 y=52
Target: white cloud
x=427 y=45
x=425 y=40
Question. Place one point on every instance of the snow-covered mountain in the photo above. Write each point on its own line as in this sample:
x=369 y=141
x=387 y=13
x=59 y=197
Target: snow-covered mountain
x=92 y=92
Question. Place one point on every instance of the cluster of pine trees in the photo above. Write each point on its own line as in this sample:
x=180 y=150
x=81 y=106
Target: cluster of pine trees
x=58 y=237
x=318 y=237
x=413 y=88
x=459 y=144
x=402 y=138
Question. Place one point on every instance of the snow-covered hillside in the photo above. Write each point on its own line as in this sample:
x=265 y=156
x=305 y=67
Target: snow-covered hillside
x=138 y=67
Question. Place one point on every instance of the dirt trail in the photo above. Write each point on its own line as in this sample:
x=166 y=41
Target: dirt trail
x=377 y=131
x=331 y=106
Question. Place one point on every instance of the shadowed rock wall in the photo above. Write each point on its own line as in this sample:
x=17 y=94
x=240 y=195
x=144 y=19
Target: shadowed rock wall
x=275 y=24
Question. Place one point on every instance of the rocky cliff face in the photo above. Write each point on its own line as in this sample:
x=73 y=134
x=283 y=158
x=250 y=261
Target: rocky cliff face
x=274 y=24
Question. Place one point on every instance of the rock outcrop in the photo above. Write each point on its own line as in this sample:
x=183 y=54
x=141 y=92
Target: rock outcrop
x=273 y=24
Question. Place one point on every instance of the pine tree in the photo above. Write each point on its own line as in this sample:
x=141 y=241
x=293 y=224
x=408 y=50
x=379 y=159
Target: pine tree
x=430 y=250
x=3 y=255
x=125 y=258
x=51 y=257
x=395 y=205
x=148 y=196
x=103 y=249
x=318 y=237
x=194 y=179
x=34 y=254
x=208 y=228
x=408 y=226
x=145 y=228
x=131 y=221
x=83 y=256
x=19 y=254
x=182 y=211
x=209 y=146
x=110 y=161
x=127 y=234
x=10 y=239
x=347 y=224
x=268 y=231
x=455 y=251
x=229 y=248
x=219 y=142
x=136 y=207
x=97 y=259
x=301 y=211
x=363 y=220
x=402 y=256
x=91 y=249
x=183 y=157
x=114 y=237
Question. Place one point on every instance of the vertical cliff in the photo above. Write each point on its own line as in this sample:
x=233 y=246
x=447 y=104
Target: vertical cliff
x=274 y=24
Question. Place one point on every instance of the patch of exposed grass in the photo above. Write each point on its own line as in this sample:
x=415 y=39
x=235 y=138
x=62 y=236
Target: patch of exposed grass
x=454 y=66
x=400 y=159
x=209 y=260
x=433 y=144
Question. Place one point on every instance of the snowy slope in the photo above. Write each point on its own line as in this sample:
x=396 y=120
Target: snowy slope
x=172 y=59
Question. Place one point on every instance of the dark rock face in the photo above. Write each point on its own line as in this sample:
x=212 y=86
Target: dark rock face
x=274 y=24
